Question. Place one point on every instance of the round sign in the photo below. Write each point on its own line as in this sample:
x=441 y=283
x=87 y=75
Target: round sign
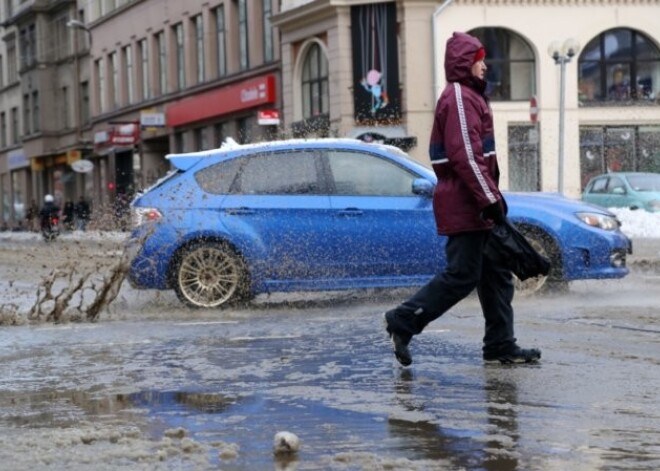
x=533 y=110
x=82 y=166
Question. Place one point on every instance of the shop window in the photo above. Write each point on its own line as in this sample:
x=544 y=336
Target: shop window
x=619 y=66
x=524 y=166
x=618 y=149
x=511 y=73
x=315 y=95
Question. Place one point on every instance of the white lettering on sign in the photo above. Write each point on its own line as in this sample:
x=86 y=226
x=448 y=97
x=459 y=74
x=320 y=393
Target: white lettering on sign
x=249 y=94
x=152 y=120
x=101 y=136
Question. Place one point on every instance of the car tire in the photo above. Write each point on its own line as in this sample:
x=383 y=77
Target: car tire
x=210 y=275
x=551 y=282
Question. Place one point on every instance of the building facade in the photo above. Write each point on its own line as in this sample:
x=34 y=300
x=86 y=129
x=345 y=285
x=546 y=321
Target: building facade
x=119 y=84
x=605 y=129
x=172 y=76
x=42 y=115
x=95 y=93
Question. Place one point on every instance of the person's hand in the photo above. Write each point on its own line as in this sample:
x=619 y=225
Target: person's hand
x=494 y=213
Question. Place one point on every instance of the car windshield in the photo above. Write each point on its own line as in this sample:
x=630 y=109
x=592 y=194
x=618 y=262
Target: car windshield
x=645 y=182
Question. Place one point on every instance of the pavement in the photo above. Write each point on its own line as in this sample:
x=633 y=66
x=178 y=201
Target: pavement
x=646 y=255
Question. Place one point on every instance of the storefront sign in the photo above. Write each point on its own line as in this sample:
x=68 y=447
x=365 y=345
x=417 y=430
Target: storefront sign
x=122 y=135
x=82 y=166
x=125 y=134
x=101 y=137
x=17 y=159
x=149 y=119
x=268 y=117
x=228 y=99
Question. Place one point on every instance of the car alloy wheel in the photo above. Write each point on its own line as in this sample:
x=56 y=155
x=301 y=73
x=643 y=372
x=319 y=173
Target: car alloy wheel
x=535 y=284
x=209 y=275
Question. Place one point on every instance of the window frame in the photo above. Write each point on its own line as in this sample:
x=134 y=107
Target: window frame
x=607 y=66
x=316 y=79
x=221 y=40
x=243 y=36
x=506 y=64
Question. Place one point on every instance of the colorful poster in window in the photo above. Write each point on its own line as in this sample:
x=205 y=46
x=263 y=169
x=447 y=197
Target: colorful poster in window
x=376 y=95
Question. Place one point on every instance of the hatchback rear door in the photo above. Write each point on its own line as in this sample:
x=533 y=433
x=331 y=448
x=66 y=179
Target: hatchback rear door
x=278 y=211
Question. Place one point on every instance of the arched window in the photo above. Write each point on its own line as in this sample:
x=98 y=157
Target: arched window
x=511 y=73
x=314 y=83
x=619 y=66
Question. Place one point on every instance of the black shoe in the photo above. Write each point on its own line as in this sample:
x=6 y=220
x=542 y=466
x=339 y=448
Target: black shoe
x=401 y=351
x=517 y=355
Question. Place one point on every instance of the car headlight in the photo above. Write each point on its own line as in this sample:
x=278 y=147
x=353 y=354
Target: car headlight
x=601 y=221
x=654 y=205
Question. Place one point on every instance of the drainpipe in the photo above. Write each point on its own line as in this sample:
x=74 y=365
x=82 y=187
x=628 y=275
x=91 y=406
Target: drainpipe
x=436 y=13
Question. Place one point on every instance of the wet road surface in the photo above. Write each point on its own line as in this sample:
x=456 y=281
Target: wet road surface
x=152 y=385
x=155 y=386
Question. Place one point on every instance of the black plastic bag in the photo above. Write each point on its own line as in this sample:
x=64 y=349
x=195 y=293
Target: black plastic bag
x=508 y=247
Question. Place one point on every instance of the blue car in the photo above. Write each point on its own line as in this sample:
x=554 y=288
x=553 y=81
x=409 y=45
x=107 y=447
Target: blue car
x=328 y=214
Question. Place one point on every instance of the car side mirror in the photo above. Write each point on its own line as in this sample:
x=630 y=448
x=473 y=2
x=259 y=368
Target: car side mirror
x=619 y=190
x=422 y=187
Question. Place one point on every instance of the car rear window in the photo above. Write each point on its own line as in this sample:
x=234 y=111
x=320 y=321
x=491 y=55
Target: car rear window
x=293 y=172
x=218 y=178
x=644 y=182
x=599 y=186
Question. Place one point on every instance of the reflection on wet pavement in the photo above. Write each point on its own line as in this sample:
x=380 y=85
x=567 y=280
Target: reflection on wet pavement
x=200 y=390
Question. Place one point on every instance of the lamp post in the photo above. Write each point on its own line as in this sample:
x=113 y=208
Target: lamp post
x=562 y=55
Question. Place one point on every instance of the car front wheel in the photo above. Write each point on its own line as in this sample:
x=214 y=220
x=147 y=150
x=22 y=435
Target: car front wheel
x=543 y=283
x=209 y=275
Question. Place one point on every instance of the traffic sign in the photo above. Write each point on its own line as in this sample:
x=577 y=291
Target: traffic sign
x=533 y=110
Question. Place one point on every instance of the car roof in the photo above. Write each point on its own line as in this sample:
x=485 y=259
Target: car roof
x=187 y=160
x=624 y=174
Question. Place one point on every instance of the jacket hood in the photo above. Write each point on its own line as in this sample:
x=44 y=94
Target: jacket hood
x=459 y=57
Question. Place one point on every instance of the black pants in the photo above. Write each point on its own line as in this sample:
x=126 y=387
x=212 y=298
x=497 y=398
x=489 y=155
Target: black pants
x=467 y=268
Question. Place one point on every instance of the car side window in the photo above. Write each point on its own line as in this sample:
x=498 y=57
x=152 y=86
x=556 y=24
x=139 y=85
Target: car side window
x=616 y=186
x=362 y=174
x=218 y=178
x=599 y=185
x=279 y=173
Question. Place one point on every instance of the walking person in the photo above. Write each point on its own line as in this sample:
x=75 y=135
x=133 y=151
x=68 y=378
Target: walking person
x=466 y=203
x=33 y=217
x=68 y=215
x=83 y=214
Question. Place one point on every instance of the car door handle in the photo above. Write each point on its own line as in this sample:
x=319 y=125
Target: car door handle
x=239 y=211
x=351 y=212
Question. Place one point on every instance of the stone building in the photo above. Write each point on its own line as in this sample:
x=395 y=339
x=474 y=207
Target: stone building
x=398 y=46
x=118 y=84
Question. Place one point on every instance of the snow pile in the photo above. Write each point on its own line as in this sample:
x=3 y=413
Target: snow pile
x=638 y=223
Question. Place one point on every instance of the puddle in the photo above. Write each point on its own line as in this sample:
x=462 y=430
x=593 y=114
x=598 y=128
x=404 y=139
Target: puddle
x=247 y=424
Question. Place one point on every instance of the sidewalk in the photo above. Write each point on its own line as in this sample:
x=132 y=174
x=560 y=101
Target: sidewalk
x=113 y=237
x=645 y=256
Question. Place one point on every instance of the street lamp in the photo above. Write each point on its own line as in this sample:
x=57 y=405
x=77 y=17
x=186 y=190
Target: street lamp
x=562 y=55
x=73 y=23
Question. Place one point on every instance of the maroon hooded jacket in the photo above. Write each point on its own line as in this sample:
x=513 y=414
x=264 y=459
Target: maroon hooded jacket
x=462 y=147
